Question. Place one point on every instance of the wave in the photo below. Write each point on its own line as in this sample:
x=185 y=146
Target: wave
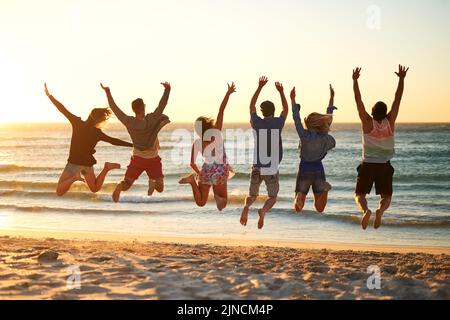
x=410 y=221
x=31 y=185
x=418 y=179
x=16 y=168
x=442 y=222
x=73 y=210
x=104 y=197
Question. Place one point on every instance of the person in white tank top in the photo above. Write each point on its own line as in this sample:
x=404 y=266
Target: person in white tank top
x=378 y=132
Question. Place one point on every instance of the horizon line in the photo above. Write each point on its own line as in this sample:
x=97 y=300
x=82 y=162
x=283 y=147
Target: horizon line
x=190 y=122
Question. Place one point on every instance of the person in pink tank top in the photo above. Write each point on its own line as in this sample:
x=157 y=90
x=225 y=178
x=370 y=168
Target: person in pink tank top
x=378 y=149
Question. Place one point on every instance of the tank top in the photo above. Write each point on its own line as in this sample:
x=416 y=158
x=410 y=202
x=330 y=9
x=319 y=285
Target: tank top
x=378 y=145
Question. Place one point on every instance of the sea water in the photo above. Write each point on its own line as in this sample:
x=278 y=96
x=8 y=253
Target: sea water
x=33 y=156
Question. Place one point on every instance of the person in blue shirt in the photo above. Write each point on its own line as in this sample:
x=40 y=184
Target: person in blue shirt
x=315 y=142
x=268 y=151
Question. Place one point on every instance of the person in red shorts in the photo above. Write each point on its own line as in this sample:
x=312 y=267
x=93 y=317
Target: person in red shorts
x=143 y=129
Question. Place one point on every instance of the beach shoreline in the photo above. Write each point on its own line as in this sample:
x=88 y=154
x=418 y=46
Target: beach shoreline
x=218 y=241
x=43 y=267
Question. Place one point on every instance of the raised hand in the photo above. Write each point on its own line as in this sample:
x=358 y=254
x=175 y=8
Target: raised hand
x=331 y=91
x=263 y=81
x=46 y=90
x=293 y=94
x=104 y=88
x=401 y=71
x=279 y=87
x=166 y=85
x=356 y=73
x=231 y=88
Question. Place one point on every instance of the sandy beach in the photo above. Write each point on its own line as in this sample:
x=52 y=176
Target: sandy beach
x=34 y=268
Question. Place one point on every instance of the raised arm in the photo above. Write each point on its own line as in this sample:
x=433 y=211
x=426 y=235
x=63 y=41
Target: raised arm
x=262 y=82
x=284 y=103
x=331 y=102
x=296 y=115
x=71 y=117
x=117 y=111
x=223 y=105
x=392 y=115
x=164 y=99
x=363 y=115
x=114 y=141
x=331 y=107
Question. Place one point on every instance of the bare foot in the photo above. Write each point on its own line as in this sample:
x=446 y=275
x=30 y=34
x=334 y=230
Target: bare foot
x=365 y=219
x=111 y=165
x=116 y=193
x=261 y=219
x=244 y=216
x=297 y=207
x=187 y=179
x=377 y=222
x=151 y=187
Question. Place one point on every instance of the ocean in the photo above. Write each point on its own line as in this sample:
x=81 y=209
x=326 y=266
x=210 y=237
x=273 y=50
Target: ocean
x=33 y=156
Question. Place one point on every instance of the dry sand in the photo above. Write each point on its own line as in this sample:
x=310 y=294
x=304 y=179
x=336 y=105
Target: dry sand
x=38 y=269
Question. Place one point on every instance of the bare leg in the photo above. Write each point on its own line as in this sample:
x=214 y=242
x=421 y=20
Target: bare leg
x=65 y=182
x=151 y=187
x=262 y=212
x=299 y=201
x=221 y=196
x=123 y=186
x=361 y=201
x=244 y=215
x=321 y=199
x=200 y=191
x=96 y=183
x=159 y=185
x=385 y=202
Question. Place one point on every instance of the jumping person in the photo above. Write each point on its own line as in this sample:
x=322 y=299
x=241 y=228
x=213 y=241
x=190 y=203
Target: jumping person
x=143 y=129
x=268 y=155
x=215 y=170
x=85 y=136
x=315 y=142
x=378 y=133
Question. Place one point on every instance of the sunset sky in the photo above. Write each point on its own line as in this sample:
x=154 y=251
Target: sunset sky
x=201 y=45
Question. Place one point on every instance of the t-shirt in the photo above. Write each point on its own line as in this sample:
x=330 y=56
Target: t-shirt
x=264 y=129
x=150 y=153
x=84 y=139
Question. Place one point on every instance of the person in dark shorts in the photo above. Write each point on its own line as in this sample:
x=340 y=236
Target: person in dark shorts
x=378 y=149
x=315 y=142
x=85 y=136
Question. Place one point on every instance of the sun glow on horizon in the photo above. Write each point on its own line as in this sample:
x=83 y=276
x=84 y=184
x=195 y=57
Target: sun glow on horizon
x=200 y=46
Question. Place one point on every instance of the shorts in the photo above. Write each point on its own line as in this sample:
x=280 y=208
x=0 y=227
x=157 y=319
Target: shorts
x=152 y=166
x=315 y=179
x=272 y=183
x=76 y=169
x=214 y=174
x=379 y=173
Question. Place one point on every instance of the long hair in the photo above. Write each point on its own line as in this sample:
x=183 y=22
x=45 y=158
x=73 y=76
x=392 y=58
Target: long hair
x=319 y=123
x=203 y=124
x=98 y=116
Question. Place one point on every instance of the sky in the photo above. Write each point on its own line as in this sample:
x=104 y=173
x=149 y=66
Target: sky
x=201 y=45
